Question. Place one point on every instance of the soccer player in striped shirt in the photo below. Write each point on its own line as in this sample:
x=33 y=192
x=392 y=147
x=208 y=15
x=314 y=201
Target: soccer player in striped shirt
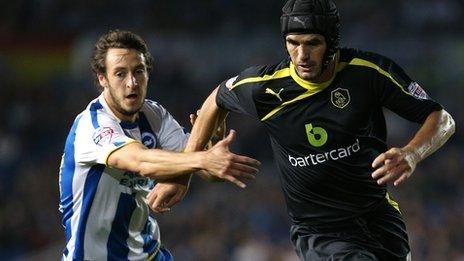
x=116 y=149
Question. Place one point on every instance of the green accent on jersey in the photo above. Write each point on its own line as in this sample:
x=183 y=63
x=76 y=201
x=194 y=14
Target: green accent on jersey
x=317 y=136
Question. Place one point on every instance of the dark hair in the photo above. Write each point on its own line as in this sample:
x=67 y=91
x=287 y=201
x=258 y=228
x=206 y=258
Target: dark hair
x=117 y=39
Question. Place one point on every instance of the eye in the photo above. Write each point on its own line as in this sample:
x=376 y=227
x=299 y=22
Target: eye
x=292 y=43
x=120 y=74
x=315 y=43
x=140 y=71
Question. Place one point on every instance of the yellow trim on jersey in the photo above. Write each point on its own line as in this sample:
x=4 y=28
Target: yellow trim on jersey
x=282 y=73
x=392 y=202
x=311 y=88
x=129 y=141
x=153 y=255
x=361 y=62
x=274 y=111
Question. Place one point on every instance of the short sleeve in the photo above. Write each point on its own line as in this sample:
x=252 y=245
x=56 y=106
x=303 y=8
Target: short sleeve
x=397 y=92
x=95 y=142
x=237 y=99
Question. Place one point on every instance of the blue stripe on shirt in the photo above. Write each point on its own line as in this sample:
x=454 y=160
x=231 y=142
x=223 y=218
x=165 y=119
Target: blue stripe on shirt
x=66 y=179
x=90 y=188
x=145 y=127
x=117 y=240
x=149 y=244
x=94 y=107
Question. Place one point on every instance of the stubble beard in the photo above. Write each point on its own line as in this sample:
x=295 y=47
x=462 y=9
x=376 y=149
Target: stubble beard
x=118 y=106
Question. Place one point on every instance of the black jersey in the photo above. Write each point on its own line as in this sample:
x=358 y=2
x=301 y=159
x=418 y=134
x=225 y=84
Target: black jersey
x=325 y=136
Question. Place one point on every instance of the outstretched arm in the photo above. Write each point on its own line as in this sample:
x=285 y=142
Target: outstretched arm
x=397 y=164
x=165 y=195
x=159 y=164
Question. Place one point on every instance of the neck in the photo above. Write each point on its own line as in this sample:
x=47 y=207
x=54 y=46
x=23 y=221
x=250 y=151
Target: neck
x=132 y=118
x=327 y=73
x=118 y=114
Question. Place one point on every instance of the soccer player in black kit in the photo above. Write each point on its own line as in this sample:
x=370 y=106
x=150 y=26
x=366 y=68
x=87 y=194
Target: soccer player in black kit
x=322 y=108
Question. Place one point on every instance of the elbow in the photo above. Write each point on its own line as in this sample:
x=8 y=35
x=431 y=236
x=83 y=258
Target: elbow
x=142 y=167
x=445 y=126
x=450 y=124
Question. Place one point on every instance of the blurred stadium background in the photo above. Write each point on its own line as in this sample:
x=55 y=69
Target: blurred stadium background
x=44 y=55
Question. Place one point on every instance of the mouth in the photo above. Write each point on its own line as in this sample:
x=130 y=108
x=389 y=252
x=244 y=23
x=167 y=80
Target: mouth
x=132 y=97
x=305 y=66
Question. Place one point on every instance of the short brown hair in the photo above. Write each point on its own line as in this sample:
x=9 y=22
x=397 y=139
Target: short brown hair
x=117 y=39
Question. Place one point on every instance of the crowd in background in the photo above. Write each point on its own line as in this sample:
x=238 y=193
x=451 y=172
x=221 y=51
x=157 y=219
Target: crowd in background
x=45 y=79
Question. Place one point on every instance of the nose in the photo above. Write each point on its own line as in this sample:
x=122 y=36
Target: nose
x=304 y=53
x=131 y=81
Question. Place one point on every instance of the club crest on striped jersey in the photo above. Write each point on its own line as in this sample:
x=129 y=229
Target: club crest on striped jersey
x=148 y=139
x=416 y=90
x=340 y=97
x=103 y=135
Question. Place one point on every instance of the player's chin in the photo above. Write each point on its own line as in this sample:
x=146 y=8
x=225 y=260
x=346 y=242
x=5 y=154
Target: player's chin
x=309 y=75
x=133 y=107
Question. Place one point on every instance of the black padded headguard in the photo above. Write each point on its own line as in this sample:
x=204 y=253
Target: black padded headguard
x=313 y=16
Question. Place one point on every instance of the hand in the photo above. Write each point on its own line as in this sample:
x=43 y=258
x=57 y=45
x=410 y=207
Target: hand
x=394 y=165
x=217 y=136
x=165 y=195
x=222 y=163
x=193 y=117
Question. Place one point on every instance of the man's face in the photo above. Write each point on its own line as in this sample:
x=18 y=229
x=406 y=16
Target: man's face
x=306 y=52
x=125 y=82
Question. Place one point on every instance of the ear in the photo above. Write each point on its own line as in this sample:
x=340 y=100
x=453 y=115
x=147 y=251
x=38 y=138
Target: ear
x=102 y=80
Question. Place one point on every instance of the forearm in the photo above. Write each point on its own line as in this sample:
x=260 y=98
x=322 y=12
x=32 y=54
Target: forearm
x=155 y=163
x=161 y=164
x=206 y=123
x=436 y=130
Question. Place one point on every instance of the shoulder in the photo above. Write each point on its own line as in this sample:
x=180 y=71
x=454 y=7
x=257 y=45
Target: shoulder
x=152 y=107
x=96 y=115
x=262 y=70
x=355 y=57
x=259 y=74
x=156 y=114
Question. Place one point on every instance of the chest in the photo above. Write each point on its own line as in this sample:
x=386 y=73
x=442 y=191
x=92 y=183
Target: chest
x=336 y=115
x=144 y=135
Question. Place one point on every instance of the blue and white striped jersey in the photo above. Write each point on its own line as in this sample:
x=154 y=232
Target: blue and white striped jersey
x=104 y=210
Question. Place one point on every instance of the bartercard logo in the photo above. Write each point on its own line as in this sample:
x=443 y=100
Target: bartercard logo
x=315 y=159
x=317 y=136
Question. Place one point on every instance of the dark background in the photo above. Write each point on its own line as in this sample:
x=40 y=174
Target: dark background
x=45 y=81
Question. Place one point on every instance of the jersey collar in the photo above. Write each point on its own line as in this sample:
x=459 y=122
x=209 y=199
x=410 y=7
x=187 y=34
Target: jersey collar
x=311 y=86
x=124 y=124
